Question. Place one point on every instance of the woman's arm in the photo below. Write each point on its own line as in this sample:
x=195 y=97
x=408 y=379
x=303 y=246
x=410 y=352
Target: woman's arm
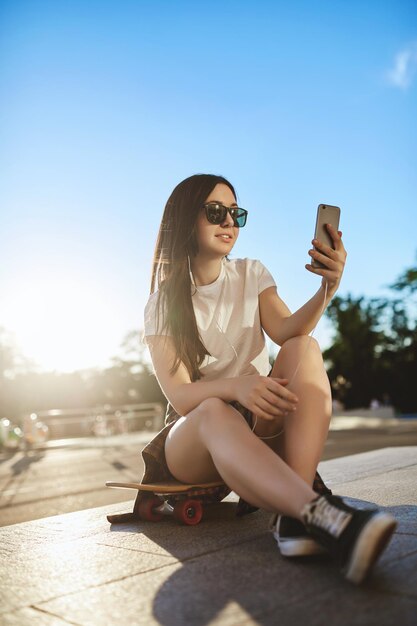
x=181 y=393
x=279 y=326
x=266 y=396
x=276 y=318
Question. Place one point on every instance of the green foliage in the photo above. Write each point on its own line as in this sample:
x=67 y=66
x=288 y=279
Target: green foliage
x=407 y=281
x=352 y=356
x=374 y=354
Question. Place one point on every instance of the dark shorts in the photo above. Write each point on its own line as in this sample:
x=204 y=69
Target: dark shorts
x=156 y=469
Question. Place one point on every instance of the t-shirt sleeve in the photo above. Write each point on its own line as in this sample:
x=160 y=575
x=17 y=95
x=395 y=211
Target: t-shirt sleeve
x=153 y=323
x=264 y=277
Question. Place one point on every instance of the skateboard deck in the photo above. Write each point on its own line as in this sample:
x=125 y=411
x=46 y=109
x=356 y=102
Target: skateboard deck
x=183 y=501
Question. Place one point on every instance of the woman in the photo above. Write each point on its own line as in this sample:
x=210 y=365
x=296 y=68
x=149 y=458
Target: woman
x=229 y=417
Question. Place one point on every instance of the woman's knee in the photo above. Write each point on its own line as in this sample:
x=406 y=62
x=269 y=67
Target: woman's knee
x=214 y=414
x=301 y=354
x=301 y=342
x=210 y=406
x=186 y=454
x=209 y=412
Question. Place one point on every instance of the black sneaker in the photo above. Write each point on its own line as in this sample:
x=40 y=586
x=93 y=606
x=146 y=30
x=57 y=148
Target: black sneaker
x=292 y=537
x=354 y=537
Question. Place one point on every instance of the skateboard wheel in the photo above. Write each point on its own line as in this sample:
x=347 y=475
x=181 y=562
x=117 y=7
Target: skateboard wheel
x=147 y=508
x=188 y=512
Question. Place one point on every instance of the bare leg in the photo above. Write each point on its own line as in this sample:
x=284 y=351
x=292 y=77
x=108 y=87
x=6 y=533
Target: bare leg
x=215 y=441
x=305 y=430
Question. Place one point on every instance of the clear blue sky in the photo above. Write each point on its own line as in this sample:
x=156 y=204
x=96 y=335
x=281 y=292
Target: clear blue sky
x=106 y=106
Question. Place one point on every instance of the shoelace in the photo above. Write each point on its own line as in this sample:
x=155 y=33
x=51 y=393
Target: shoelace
x=326 y=516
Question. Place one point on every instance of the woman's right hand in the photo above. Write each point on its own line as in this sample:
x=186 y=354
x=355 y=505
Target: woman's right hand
x=265 y=396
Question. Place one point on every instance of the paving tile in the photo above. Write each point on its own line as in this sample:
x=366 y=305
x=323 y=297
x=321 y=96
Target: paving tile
x=31 y=617
x=78 y=569
x=400 y=546
x=219 y=528
x=356 y=606
x=366 y=464
x=66 y=503
x=247 y=584
x=65 y=526
x=394 y=491
x=399 y=577
x=219 y=523
x=41 y=484
x=394 y=487
x=40 y=572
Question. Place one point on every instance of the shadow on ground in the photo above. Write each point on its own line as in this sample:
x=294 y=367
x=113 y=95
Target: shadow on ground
x=231 y=571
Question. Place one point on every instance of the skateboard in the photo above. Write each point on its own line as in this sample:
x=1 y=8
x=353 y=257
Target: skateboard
x=184 y=502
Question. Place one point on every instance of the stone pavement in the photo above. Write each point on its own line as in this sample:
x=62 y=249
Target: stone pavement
x=69 y=475
x=77 y=569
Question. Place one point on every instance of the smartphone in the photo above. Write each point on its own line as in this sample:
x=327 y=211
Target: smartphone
x=326 y=214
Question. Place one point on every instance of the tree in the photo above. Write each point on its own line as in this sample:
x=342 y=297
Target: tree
x=352 y=356
x=407 y=281
x=134 y=373
x=133 y=353
x=12 y=365
x=400 y=354
x=374 y=354
x=11 y=360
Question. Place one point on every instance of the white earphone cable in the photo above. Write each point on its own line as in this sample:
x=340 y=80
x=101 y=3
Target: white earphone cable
x=234 y=350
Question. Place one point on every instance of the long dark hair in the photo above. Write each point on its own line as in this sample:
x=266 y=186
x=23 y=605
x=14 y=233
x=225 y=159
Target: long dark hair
x=176 y=243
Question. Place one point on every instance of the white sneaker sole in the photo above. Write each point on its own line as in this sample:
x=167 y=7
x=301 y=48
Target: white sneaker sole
x=370 y=544
x=299 y=546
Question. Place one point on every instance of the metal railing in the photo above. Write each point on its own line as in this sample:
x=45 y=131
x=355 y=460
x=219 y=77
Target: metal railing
x=100 y=421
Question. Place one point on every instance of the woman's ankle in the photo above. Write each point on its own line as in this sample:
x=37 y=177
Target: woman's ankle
x=309 y=500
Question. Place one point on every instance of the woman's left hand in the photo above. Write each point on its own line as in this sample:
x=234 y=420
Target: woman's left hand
x=333 y=259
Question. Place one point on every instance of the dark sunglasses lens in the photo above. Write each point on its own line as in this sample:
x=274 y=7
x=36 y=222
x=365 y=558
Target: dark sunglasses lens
x=239 y=218
x=215 y=213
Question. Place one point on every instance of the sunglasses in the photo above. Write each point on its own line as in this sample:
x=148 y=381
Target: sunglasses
x=216 y=214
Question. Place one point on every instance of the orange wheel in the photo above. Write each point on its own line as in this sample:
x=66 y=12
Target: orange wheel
x=188 y=512
x=146 y=509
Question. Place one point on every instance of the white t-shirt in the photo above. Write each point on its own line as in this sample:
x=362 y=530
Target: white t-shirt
x=227 y=315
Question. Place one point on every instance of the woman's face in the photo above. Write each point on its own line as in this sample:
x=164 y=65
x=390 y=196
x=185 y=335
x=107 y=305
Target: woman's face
x=217 y=240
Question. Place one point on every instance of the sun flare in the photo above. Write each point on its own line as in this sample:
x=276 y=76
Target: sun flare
x=64 y=323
